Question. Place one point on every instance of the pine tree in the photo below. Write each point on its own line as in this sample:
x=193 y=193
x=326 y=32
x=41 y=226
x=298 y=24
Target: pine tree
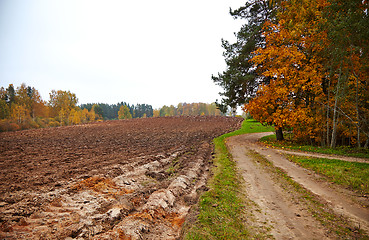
x=240 y=81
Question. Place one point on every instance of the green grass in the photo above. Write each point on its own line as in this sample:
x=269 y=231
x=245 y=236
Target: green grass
x=344 y=150
x=352 y=175
x=250 y=126
x=222 y=208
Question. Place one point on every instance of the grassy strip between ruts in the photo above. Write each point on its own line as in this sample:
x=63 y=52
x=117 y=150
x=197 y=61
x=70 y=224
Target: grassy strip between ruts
x=221 y=209
x=344 y=150
x=353 y=175
x=337 y=226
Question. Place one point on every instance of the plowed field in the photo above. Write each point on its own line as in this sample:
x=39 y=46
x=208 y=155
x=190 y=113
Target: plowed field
x=129 y=179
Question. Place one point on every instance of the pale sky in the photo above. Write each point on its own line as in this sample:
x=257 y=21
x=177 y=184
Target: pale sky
x=141 y=51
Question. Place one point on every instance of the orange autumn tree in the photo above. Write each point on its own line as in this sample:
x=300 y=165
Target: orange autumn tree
x=316 y=60
x=294 y=72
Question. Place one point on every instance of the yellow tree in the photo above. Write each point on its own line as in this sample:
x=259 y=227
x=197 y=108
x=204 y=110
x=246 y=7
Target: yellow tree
x=91 y=116
x=19 y=113
x=75 y=116
x=84 y=115
x=156 y=113
x=30 y=98
x=124 y=113
x=61 y=104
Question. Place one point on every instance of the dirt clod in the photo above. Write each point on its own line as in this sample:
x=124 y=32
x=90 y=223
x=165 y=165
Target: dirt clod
x=110 y=180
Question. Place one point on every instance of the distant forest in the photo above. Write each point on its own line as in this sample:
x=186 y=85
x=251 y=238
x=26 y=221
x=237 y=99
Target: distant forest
x=188 y=109
x=110 y=111
x=23 y=108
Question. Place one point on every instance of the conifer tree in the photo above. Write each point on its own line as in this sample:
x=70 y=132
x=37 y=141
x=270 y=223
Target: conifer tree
x=240 y=81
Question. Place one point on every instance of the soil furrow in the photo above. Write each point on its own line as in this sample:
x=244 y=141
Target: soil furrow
x=131 y=179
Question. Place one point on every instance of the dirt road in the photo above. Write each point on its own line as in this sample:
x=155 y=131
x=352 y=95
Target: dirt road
x=277 y=209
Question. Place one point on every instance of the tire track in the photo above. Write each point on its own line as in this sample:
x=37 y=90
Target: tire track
x=339 y=201
x=276 y=210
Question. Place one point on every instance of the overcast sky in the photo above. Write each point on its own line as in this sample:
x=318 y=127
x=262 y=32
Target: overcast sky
x=157 y=52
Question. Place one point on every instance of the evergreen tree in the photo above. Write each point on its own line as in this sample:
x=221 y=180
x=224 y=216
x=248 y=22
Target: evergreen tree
x=240 y=81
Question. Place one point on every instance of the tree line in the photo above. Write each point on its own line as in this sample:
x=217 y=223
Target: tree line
x=23 y=108
x=188 y=109
x=302 y=66
x=110 y=111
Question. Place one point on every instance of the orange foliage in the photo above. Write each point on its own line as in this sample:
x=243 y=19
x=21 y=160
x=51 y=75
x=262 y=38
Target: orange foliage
x=24 y=109
x=301 y=90
x=295 y=79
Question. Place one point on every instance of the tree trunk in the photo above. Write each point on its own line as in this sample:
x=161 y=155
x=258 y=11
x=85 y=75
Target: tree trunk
x=329 y=85
x=357 y=102
x=334 y=127
x=279 y=133
x=357 y=113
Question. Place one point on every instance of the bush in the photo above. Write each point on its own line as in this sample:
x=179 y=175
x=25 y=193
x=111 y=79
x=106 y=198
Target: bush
x=33 y=124
x=13 y=127
x=7 y=125
x=53 y=123
x=42 y=122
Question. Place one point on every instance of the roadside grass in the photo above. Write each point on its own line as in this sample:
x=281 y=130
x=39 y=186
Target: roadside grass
x=353 y=175
x=337 y=225
x=344 y=150
x=222 y=208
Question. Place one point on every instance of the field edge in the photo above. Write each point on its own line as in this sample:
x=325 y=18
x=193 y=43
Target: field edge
x=221 y=210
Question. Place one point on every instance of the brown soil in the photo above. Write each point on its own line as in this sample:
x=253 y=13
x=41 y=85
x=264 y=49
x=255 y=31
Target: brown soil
x=277 y=209
x=130 y=179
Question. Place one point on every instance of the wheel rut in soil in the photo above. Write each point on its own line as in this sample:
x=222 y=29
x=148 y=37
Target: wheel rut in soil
x=131 y=179
x=288 y=218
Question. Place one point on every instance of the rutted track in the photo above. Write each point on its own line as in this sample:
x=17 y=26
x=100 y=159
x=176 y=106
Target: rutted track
x=289 y=218
x=114 y=180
